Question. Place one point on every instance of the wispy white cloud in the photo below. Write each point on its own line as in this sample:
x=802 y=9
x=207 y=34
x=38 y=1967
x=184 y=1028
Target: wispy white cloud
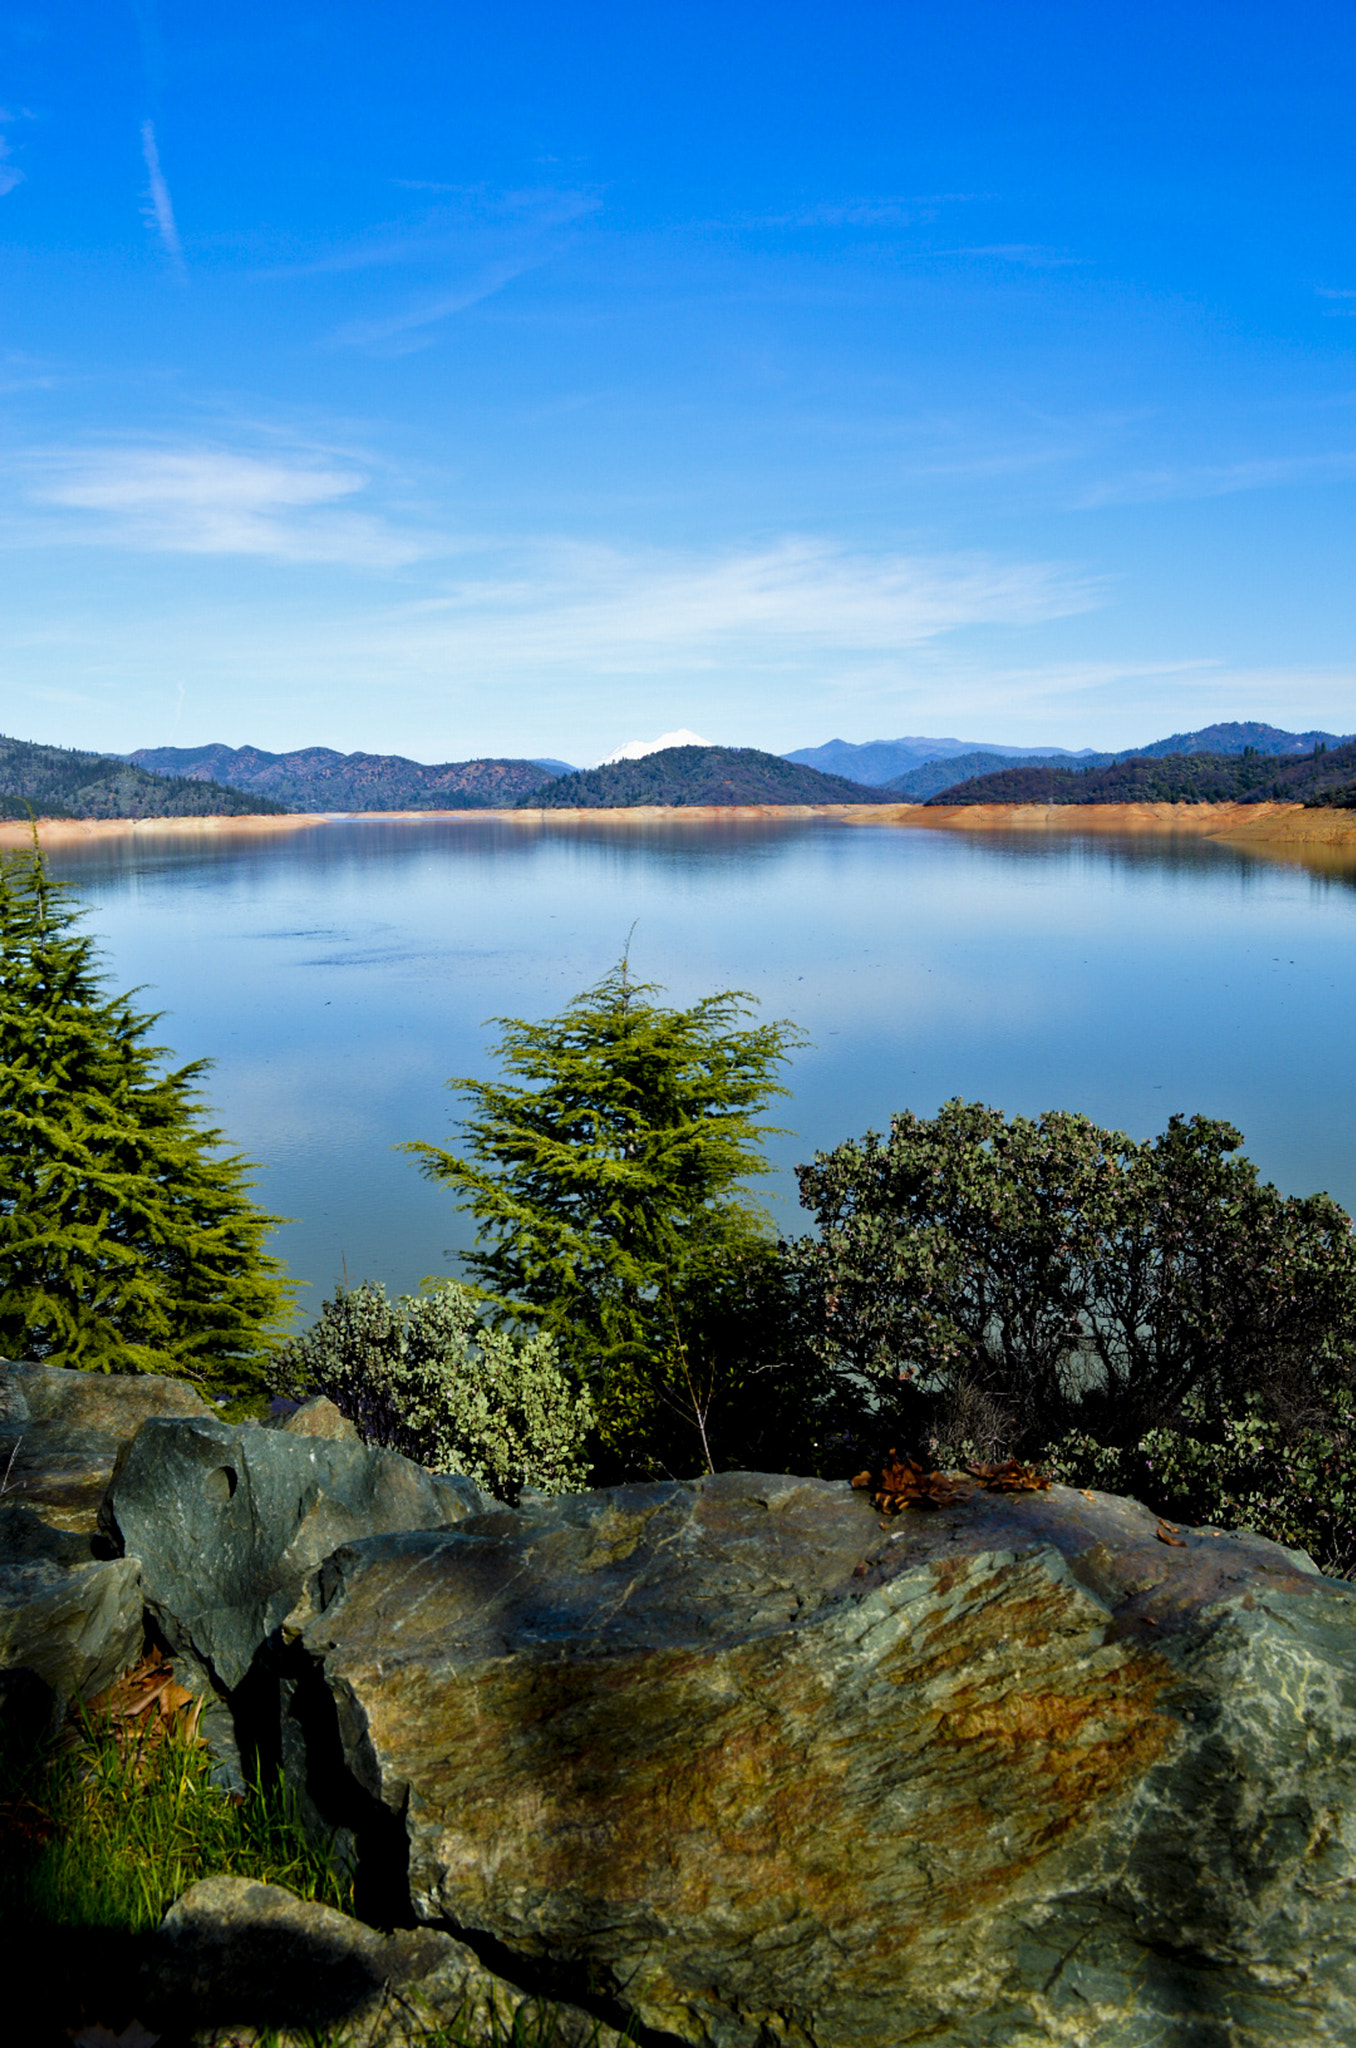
x=1029 y=255
x=1218 y=480
x=479 y=226
x=160 y=209
x=10 y=174
x=402 y=331
x=615 y=611
x=542 y=611
x=878 y=212
x=214 y=501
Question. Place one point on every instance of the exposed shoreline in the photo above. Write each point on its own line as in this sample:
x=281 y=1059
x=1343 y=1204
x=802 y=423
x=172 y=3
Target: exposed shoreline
x=1266 y=825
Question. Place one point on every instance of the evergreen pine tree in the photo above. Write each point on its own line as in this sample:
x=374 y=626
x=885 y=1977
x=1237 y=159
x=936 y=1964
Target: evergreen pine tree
x=607 y=1175
x=128 y=1241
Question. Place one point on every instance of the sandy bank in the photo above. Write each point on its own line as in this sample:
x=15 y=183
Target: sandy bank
x=1270 y=825
x=78 y=831
x=1272 y=822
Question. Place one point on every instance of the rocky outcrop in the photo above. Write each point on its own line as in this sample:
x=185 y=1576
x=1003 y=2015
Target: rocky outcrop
x=232 y=1956
x=70 y=1618
x=1028 y=1769
x=228 y=1521
x=63 y=1431
x=318 y=1417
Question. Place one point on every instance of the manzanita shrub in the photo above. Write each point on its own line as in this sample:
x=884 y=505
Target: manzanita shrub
x=1010 y=1281
x=1241 y=1471
x=424 y=1375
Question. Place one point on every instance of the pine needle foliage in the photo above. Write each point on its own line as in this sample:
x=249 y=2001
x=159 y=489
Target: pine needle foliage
x=607 y=1174
x=128 y=1240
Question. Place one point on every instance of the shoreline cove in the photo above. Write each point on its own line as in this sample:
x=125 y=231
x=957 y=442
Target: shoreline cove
x=1282 y=828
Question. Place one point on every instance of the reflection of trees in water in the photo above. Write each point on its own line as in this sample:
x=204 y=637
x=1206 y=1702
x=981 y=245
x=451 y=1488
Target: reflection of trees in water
x=475 y=841
x=690 y=846
x=1171 y=854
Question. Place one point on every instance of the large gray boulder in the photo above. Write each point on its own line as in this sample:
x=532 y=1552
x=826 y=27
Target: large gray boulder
x=233 y=1957
x=1026 y=1770
x=63 y=1431
x=70 y=1615
x=70 y=1620
x=228 y=1521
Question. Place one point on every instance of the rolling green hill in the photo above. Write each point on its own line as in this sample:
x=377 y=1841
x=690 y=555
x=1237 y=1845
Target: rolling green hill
x=1323 y=777
x=319 y=779
x=62 y=782
x=680 y=777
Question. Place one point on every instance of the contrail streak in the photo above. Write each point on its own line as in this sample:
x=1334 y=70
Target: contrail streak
x=162 y=208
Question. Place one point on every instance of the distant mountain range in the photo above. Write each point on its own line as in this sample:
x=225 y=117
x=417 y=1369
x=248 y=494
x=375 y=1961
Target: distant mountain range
x=1244 y=760
x=1326 y=775
x=680 y=777
x=62 y=782
x=319 y=779
x=916 y=769
x=880 y=761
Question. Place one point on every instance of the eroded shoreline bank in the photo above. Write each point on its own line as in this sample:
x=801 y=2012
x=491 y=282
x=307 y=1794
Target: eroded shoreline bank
x=1270 y=827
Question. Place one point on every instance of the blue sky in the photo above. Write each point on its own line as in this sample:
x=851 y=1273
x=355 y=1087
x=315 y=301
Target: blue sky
x=527 y=379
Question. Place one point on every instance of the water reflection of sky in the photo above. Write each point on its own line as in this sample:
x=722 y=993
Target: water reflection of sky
x=338 y=975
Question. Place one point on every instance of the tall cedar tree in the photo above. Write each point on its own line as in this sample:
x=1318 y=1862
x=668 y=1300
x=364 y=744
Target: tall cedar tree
x=128 y=1242
x=606 y=1174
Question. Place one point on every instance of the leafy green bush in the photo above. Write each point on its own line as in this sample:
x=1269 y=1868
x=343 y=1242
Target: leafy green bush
x=1239 y=1471
x=1021 y=1279
x=424 y=1375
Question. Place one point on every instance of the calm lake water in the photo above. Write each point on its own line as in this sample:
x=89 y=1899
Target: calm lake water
x=337 y=976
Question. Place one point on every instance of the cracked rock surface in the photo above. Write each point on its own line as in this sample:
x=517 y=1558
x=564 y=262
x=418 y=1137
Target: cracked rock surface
x=227 y=1521
x=65 y=1430
x=69 y=1616
x=766 y=1770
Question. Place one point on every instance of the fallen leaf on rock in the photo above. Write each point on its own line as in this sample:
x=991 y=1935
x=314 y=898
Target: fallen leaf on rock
x=1167 y=1535
x=1086 y=1495
x=1010 y=1476
x=899 y=1483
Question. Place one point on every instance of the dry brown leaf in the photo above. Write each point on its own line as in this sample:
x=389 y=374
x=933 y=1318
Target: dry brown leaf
x=142 y=1707
x=1167 y=1535
x=1086 y=1495
x=1009 y=1476
x=903 y=1482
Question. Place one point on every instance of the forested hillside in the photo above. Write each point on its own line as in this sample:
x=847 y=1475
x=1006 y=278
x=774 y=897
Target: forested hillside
x=61 y=782
x=680 y=777
x=1325 y=776
x=319 y=779
x=918 y=784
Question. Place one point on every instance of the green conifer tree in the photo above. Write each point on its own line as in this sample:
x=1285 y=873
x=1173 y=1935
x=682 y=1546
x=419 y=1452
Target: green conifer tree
x=128 y=1241
x=607 y=1175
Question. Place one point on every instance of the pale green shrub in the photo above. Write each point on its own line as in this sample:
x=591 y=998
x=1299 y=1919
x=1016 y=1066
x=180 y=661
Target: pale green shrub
x=427 y=1377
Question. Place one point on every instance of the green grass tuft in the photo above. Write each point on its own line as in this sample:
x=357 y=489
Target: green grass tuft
x=103 y=1829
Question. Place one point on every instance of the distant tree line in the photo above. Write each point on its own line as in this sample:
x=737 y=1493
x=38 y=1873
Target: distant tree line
x=62 y=782
x=1147 y=1316
x=1326 y=776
